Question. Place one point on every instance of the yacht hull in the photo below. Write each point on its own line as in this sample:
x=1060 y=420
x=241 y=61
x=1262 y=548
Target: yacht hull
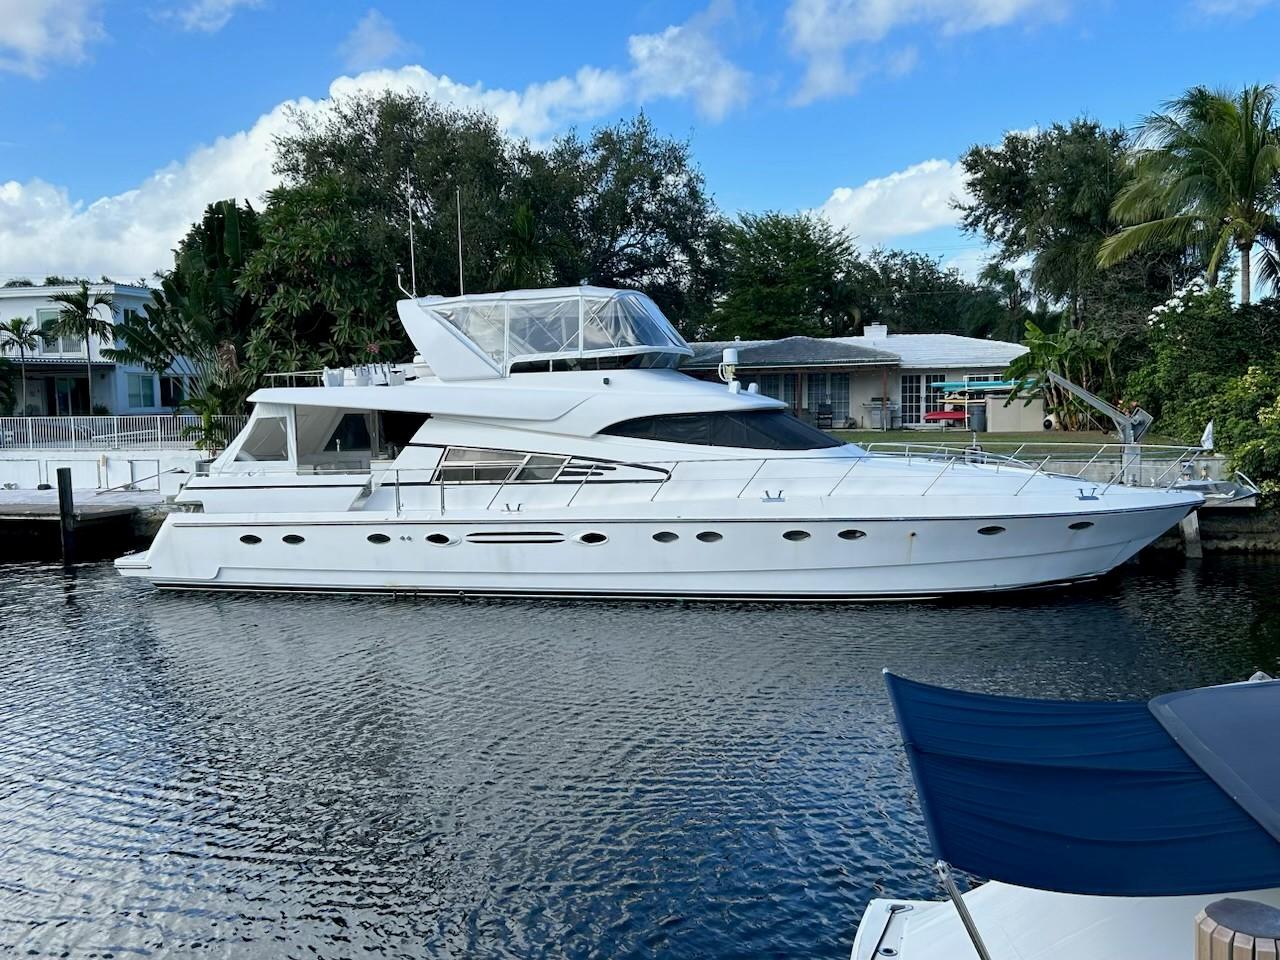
x=794 y=558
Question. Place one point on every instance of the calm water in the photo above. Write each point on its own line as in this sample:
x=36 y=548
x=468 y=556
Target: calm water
x=224 y=776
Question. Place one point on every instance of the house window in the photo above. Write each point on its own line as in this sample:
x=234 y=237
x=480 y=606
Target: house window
x=142 y=390
x=790 y=394
x=45 y=320
x=840 y=397
x=819 y=390
x=909 y=398
x=173 y=391
x=771 y=385
x=130 y=316
x=918 y=397
x=932 y=396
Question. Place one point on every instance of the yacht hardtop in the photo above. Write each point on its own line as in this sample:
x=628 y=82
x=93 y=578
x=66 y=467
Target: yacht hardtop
x=564 y=409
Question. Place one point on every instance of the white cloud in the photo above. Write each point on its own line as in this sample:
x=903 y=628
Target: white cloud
x=970 y=262
x=903 y=203
x=130 y=234
x=537 y=111
x=44 y=230
x=821 y=32
x=372 y=43
x=209 y=16
x=36 y=34
x=685 y=60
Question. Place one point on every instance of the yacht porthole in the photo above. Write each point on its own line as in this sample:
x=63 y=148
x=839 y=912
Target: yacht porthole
x=293 y=538
x=990 y=531
x=1080 y=525
x=851 y=534
x=795 y=536
x=591 y=539
x=250 y=539
x=378 y=538
x=666 y=536
x=710 y=536
x=439 y=539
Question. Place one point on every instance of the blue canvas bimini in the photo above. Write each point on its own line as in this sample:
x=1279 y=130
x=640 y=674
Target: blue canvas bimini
x=1178 y=796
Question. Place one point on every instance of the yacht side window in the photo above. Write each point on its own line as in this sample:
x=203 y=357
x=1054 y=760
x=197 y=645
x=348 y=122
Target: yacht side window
x=471 y=465
x=268 y=440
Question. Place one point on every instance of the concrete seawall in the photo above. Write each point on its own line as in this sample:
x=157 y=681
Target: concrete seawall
x=1231 y=531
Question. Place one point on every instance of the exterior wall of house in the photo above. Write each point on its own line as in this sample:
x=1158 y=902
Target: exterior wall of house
x=56 y=370
x=802 y=388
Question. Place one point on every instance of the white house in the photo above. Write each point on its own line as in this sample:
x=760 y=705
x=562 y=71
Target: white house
x=57 y=381
x=866 y=377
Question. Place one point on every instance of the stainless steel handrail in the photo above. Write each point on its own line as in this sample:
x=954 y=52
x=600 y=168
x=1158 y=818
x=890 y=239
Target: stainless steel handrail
x=672 y=470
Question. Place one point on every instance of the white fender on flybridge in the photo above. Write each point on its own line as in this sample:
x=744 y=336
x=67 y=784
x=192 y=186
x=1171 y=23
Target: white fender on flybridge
x=554 y=448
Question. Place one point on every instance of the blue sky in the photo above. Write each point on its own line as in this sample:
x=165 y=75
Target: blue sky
x=119 y=121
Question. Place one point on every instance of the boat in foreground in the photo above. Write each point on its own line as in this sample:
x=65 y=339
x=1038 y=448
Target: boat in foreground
x=1106 y=827
x=545 y=443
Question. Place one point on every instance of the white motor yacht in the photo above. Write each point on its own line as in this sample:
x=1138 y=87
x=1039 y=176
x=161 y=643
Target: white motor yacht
x=546 y=443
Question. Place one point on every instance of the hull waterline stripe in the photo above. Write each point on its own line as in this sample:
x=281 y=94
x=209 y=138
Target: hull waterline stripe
x=500 y=593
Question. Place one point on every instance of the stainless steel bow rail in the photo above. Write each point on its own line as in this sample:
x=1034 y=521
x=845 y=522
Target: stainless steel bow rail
x=1120 y=463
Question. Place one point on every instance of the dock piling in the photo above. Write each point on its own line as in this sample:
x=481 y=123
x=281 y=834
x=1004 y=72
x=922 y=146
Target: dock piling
x=1190 y=526
x=67 y=516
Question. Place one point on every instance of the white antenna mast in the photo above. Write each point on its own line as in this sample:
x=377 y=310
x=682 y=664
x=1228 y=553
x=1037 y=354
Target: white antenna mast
x=413 y=263
x=458 y=197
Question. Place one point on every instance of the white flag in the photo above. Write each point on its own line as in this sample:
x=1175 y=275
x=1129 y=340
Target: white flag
x=1206 y=438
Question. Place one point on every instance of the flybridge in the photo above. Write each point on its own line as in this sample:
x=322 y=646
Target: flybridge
x=484 y=336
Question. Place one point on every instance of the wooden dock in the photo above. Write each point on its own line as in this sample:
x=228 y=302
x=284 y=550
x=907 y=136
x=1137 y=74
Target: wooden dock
x=31 y=529
x=27 y=505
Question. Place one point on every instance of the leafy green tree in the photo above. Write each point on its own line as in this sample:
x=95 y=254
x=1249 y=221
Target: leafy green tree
x=1046 y=197
x=199 y=320
x=623 y=206
x=18 y=282
x=1198 y=342
x=19 y=333
x=379 y=152
x=524 y=258
x=1207 y=176
x=324 y=297
x=80 y=317
x=914 y=293
x=1078 y=355
x=627 y=207
x=786 y=275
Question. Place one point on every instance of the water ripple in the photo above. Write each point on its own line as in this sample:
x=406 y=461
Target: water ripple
x=232 y=776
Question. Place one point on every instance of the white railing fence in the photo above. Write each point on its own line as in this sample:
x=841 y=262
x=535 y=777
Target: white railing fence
x=149 y=432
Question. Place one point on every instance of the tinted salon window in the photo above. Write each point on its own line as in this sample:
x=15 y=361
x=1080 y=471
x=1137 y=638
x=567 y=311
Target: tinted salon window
x=754 y=430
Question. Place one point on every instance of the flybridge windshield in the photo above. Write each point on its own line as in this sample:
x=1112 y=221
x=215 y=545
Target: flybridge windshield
x=562 y=325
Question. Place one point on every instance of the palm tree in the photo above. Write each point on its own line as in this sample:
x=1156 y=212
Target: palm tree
x=18 y=333
x=522 y=258
x=79 y=318
x=1207 y=176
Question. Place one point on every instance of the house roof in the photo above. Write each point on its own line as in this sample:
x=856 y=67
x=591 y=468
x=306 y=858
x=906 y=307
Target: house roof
x=789 y=352
x=941 y=351
x=41 y=291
